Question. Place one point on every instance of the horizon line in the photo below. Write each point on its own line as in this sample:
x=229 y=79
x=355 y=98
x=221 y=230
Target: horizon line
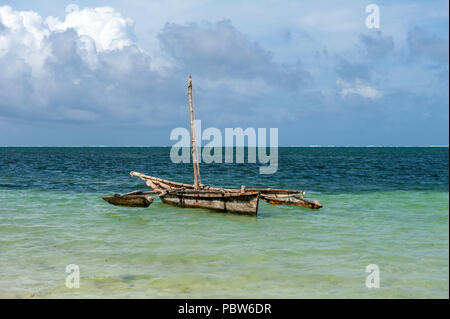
x=311 y=146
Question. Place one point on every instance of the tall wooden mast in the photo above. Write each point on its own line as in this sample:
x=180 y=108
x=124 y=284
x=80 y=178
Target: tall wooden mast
x=197 y=181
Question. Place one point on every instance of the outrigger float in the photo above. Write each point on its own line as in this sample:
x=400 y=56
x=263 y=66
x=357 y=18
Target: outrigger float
x=240 y=201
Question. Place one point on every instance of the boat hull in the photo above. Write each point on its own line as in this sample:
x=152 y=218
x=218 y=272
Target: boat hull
x=246 y=204
x=292 y=202
x=129 y=200
x=270 y=195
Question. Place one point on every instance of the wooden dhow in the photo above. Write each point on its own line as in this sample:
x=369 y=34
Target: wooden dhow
x=240 y=201
x=271 y=195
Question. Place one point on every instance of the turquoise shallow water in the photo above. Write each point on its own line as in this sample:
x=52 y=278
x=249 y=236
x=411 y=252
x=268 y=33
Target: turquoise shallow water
x=383 y=206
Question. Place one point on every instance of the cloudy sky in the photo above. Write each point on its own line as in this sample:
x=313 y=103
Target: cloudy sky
x=115 y=72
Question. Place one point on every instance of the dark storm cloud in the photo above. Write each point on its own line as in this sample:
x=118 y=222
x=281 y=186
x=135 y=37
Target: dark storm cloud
x=351 y=71
x=219 y=50
x=376 y=45
x=119 y=86
x=423 y=44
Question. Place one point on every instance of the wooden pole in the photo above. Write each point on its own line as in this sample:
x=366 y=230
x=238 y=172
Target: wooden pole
x=197 y=180
x=190 y=186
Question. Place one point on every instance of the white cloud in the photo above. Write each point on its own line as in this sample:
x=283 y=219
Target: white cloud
x=107 y=27
x=88 y=67
x=358 y=88
x=25 y=34
x=64 y=70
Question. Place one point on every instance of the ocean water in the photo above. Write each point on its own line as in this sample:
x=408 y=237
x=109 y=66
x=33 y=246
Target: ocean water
x=383 y=206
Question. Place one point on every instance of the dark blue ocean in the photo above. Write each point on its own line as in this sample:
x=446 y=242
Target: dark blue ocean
x=322 y=169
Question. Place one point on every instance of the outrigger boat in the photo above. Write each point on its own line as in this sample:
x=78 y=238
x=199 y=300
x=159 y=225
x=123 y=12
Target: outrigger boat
x=132 y=199
x=240 y=201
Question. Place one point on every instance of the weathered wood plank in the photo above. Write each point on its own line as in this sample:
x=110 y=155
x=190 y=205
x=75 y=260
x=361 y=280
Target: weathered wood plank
x=232 y=203
x=129 y=200
x=187 y=186
x=311 y=203
x=197 y=181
